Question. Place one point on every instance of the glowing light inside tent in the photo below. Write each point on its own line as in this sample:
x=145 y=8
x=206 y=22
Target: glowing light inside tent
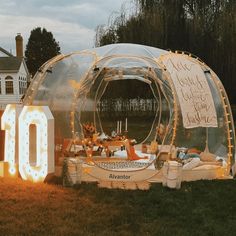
x=39 y=170
x=8 y=124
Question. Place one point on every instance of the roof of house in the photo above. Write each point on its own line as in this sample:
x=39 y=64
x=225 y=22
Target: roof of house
x=10 y=63
x=6 y=52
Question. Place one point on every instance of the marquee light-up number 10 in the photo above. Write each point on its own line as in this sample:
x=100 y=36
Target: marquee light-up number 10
x=17 y=141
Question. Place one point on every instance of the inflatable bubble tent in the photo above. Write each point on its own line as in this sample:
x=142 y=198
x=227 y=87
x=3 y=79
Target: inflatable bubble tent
x=138 y=91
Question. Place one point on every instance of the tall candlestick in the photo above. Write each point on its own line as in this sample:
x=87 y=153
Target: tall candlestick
x=120 y=126
x=126 y=124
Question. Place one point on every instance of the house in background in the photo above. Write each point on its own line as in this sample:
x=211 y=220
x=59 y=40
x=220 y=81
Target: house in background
x=14 y=75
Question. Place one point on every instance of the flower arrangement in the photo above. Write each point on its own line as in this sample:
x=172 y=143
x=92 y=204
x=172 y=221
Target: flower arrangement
x=89 y=130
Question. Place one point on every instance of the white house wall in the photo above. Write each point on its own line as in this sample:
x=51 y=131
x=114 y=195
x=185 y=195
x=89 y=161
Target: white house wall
x=23 y=74
x=12 y=98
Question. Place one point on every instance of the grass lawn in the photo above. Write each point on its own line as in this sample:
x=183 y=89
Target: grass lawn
x=198 y=208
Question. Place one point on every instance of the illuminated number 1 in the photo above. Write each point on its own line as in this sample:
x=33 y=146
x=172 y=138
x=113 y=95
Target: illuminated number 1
x=8 y=124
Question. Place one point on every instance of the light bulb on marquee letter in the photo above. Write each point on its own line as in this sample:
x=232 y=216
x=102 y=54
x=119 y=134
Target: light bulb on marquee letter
x=42 y=118
x=8 y=123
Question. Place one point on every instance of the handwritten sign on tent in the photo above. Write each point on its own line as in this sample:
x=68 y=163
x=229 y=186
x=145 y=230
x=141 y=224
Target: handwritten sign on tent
x=194 y=94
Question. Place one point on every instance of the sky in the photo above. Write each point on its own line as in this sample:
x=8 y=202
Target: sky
x=72 y=22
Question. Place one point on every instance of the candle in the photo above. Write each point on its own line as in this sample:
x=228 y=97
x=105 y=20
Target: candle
x=120 y=126
x=117 y=129
x=126 y=124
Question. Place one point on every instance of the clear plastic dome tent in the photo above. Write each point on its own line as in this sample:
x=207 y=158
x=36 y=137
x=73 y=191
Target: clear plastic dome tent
x=141 y=92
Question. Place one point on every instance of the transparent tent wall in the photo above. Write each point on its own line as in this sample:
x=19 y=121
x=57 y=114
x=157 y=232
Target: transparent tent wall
x=213 y=138
x=78 y=89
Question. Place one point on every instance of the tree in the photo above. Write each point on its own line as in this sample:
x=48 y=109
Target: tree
x=204 y=28
x=40 y=48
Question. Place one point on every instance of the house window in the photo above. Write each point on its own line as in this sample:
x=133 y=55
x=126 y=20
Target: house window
x=22 y=85
x=9 y=85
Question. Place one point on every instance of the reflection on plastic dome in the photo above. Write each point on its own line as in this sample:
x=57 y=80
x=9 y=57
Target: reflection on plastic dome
x=129 y=107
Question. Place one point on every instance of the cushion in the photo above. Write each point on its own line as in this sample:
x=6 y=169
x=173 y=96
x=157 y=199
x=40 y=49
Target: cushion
x=192 y=155
x=192 y=164
x=193 y=150
x=207 y=156
x=207 y=167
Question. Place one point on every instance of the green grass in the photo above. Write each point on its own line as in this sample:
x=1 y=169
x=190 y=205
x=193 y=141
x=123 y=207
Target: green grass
x=198 y=208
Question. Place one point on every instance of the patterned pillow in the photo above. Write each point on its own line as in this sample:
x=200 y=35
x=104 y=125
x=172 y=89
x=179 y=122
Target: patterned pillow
x=192 y=155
